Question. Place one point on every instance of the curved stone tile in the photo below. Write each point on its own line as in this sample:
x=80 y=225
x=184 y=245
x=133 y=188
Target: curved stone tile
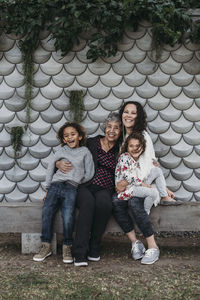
x=146 y=90
x=22 y=116
x=41 y=79
x=82 y=55
x=56 y=126
x=62 y=103
x=57 y=56
x=197 y=102
x=99 y=91
x=15 y=79
x=111 y=79
x=6 y=162
x=163 y=56
x=183 y=195
x=158 y=125
x=74 y=67
x=192 y=114
x=49 y=139
x=99 y=67
x=98 y=115
x=193 y=66
x=141 y=31
x=6 y=115
x=160 y=148
x=63 y=79
x=170 y=161
x=48 y=43
x=51 y=115
x=10 y=152
x=77 y=47
x=113 y=59
x=191 y=46
x=182 y=78
x=37 y=196
x=170 y=137
x=192 y=184
x=6 y=186
x=182 y=172
x=40 y=55
x=192 y=90
x=1 y=80
x=6 y=67
x=6 y=91
x=145 y=43
x=151 y=113
x=182 y=54
x=122 y=91
x=182 y=125
x=5 y=138
x=170 y=114
x=90 y=103
x=158 y=78
x=5 y=43
x=134 y=79
x=38 y=174
x=171 y=48
x=122 y=67
x=14 y=123
x=16 y=174
x=28 y=162
x=182 y=102
x=87 y=79
x=125 y=44
x=170 y=66
x=192 y=137
x=90 y=126
x=39 y=150
x=14 y=55
x=69 y=117
x=39 y=127
x=172 y=183
x=15 y=103
x=192 y=161
x=197 y=78
x=111 y=103
x=197 y=149
x=29 y=139
x=51 y=67
x=21 y=91
x=158 y=102
x=197 y=196
x=197 y=173
x=16 y=196
x=28 y=185
x=45 y=161
x=135 y=55
x=154 y=137
x=135 y=97
x=197 y=126
x=52 y=91
x=182 y=149
x=147 y=66
x=40 y=103
x=170 y=90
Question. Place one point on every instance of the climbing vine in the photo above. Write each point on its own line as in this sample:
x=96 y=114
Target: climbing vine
x=16 y=139
x=76 y=106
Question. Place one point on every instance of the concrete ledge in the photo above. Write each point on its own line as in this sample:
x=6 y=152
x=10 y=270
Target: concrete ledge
x=26 y=218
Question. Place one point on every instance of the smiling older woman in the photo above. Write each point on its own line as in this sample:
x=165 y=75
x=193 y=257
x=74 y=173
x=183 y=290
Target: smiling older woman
x=94 y=199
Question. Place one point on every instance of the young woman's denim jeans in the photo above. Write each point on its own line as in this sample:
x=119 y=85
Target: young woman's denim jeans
x=60 y=195
x=135 y=205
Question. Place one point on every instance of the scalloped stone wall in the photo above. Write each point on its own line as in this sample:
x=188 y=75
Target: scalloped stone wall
x=169 y=91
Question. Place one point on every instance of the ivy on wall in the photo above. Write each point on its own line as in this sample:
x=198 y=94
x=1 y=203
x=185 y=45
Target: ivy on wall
x=16 y=139
x=76 y=106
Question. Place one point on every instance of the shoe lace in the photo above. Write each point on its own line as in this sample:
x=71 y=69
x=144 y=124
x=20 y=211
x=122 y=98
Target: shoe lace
x=67 y=251
x=43 y=249
x=149 y=252
x=135 y=247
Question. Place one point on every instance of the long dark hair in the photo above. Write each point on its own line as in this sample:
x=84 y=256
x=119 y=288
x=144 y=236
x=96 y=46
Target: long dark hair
x=137 y=136
x=80 y=129
x=140 y=122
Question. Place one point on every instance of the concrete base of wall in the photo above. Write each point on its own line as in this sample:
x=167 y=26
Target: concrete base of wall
x=30 y=243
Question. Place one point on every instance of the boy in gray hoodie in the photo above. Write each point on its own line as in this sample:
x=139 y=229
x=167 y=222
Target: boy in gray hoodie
x=61 y=188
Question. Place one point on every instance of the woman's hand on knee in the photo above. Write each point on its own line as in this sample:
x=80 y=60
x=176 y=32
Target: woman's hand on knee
x=64 y=166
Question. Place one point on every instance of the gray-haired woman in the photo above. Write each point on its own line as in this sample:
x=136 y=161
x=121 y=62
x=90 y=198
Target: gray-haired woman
x=94 y=199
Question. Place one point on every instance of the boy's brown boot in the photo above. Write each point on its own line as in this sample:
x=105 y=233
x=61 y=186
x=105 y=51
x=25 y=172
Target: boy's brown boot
x=44 y=252
x=67 y=254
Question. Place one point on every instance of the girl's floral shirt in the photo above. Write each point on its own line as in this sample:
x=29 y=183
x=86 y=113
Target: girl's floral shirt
x=127 y=169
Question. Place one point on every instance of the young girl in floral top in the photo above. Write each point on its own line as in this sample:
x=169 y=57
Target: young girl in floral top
x=129 y=169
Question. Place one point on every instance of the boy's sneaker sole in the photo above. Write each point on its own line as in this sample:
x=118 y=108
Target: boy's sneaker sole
x=43 y=258
x=68 y=261
x=93 y=258
x=81 y=264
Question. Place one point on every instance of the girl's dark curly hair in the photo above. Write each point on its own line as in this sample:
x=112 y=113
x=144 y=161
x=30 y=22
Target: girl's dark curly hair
x=137 y=136
x=80 y=129
x=140 y=122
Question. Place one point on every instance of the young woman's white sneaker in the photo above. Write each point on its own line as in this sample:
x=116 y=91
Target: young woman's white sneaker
x=151 y=256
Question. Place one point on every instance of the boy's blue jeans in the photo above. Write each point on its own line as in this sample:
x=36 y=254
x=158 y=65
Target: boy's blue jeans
x=60 y=195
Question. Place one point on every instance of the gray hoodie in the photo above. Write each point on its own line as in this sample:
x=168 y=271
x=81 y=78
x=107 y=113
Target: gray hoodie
x=81 y=161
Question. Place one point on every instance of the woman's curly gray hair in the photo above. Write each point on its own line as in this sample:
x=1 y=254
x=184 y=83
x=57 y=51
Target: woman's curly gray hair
x=112 y=117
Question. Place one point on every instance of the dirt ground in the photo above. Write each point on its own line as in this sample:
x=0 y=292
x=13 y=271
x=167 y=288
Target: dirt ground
x=179 y=265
